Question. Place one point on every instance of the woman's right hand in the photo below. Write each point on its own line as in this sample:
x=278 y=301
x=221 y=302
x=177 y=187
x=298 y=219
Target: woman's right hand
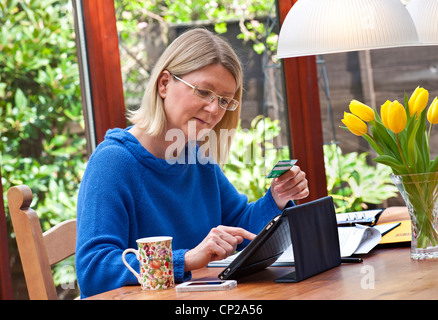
x=220 y=243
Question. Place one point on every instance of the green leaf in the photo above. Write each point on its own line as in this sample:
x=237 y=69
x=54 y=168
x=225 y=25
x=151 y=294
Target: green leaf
x=373 y=144
x=220 y=27
x=386 y=139
x=433 y=165
x=422 y=142
x=407 y=133
x=396 y=165
x=408 y=114
x=20 y=99
x=420 y=164
x=412 y=150
x=2 y=89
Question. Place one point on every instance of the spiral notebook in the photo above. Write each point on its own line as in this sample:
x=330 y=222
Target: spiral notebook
x=366 y=217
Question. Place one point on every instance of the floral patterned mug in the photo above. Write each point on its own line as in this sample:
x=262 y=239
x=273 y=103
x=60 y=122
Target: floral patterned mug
x=156 y=263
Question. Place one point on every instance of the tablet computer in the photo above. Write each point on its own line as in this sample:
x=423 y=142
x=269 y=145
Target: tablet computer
x=262 y=251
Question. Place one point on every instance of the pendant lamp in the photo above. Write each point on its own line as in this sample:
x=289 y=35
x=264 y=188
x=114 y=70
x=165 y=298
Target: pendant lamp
x=328 y=26
x=424 y=13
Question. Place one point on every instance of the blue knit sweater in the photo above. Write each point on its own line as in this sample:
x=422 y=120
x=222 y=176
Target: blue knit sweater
x=127 y=193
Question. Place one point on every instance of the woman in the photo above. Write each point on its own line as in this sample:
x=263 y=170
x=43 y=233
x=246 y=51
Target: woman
x=146 y=180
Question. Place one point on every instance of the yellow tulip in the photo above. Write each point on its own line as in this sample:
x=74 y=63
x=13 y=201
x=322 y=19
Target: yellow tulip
x=384 y=112
x=354 y=124
x=361 y=110
x=412 y=99
x=396 y=117
x=418 y=101
x=432 y=114
x=414 y=95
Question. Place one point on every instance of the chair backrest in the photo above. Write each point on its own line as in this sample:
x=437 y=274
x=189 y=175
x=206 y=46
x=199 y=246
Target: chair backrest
x=38 y=251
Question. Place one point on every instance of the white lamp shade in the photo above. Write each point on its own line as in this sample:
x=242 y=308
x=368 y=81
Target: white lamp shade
x=320 y=26
x=424 y=13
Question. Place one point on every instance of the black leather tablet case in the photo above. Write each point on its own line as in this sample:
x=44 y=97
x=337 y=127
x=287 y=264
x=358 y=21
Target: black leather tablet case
x=315 y=239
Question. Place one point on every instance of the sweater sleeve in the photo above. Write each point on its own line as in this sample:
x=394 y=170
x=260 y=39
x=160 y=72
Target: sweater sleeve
x=178 y=266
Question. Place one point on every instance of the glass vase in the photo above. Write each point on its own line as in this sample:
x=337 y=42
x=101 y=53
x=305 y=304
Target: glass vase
x=420 y=193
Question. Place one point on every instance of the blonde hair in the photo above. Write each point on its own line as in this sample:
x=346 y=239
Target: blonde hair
x=191 y=51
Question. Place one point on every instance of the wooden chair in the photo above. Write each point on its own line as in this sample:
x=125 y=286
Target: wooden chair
x=38 y=251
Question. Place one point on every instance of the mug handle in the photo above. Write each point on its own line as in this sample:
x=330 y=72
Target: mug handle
x=127 y=264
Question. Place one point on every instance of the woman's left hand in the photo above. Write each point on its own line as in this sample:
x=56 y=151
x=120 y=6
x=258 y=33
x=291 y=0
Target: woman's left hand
x=291 y=185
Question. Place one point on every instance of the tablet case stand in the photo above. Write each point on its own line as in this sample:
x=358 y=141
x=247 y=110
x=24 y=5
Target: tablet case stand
x=315 y=241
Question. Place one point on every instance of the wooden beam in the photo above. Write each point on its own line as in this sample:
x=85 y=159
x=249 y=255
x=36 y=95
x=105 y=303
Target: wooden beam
x=103 y=62
x=304 y=114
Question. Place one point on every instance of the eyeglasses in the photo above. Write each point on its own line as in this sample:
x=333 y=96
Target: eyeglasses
x=208 y=95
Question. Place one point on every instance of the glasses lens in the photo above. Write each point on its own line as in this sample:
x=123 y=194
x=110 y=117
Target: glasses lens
x=204 y=94
x=208 y=95
x=232 y=105
x=224 y=102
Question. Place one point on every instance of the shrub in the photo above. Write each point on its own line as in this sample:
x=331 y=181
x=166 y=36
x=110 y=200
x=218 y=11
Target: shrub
x=42 y=133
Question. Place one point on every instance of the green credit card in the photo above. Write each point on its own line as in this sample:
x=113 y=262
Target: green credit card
x=281 y=167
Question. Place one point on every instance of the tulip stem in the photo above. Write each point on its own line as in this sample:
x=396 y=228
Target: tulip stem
x=428 y=134
x=401 y=153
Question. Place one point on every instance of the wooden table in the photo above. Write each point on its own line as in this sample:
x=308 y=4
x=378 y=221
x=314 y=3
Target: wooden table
x=386 y=273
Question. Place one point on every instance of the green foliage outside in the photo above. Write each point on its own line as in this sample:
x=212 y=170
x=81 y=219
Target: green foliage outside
x=42 y=128
x=133 y=12
x=42 y=133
